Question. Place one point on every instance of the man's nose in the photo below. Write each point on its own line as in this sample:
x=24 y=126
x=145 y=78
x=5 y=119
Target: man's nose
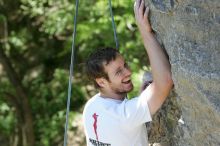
x=127 y=71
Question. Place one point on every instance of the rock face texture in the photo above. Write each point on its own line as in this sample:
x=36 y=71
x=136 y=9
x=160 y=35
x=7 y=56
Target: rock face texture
x=190 y=32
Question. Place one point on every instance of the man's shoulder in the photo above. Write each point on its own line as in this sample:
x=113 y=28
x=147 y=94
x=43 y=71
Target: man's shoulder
x=91 y=101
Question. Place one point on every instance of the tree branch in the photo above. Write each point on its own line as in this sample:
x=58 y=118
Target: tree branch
x=16 y=82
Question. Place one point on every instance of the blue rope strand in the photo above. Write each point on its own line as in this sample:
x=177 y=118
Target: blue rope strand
x=72 y=63
x=71 y=74
x=113 y=25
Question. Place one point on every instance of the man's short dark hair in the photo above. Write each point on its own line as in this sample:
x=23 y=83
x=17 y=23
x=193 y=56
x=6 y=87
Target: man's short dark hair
x=95 y=63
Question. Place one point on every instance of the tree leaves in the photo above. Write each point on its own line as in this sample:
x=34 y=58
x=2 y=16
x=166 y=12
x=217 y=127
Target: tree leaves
x=39 y=37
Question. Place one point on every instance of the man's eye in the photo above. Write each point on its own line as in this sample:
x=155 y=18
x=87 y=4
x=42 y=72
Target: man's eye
x=119 y=72
x=126 y=65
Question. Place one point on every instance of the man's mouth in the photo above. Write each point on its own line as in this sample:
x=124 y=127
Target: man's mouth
x=127 y=82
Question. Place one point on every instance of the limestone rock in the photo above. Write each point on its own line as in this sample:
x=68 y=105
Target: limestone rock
x=190 y=32
x=164 y=124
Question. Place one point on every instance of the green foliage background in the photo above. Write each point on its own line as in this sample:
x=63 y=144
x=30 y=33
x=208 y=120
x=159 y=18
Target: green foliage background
x=39 y=37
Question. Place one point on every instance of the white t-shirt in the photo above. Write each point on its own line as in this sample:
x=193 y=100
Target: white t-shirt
x=110 y=122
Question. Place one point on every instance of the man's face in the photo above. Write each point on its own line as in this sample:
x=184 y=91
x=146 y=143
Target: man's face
x=119 y=76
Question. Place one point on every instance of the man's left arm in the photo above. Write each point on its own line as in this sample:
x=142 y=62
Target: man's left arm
x=156 y=92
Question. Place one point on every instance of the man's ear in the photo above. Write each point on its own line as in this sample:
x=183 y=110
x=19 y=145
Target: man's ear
x=101 y=82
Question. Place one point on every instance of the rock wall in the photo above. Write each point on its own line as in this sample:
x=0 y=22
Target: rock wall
x=164 y=124
x=190 y=32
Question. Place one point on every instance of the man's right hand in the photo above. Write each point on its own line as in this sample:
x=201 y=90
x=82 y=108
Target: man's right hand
x=146 y=81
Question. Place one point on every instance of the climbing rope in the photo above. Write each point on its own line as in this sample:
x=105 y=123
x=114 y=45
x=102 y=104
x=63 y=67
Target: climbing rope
x=71 y=73
x=113 y=24
x=72 y=62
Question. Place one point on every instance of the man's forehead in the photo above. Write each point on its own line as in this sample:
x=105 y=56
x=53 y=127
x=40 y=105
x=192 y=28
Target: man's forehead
x=118 y=60
x=114 y=65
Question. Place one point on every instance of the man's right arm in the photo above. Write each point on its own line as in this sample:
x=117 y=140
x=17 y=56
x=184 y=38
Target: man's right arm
x=156 y=92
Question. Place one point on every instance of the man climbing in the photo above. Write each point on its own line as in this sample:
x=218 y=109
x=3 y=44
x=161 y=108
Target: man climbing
x=109 y=118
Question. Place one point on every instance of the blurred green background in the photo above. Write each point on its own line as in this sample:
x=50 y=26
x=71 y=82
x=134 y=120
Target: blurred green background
x=35 y=49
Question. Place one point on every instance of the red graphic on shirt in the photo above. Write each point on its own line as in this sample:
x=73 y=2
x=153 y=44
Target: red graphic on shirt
x=95 y=124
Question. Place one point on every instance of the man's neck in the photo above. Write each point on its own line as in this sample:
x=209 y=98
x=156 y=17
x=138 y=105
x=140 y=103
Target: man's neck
x=113 y=96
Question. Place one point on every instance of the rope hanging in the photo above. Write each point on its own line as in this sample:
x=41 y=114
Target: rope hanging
x=113 y=25
x=71 y=73
x=72 y=62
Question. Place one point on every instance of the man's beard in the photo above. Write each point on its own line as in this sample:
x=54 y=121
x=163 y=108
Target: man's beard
x=119 y=92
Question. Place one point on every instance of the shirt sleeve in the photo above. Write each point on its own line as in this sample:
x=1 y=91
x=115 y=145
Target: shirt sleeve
x=135 y=112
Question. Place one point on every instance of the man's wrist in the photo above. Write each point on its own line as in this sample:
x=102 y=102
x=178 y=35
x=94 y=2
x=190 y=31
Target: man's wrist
x=146 y=34
x=145 y=30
